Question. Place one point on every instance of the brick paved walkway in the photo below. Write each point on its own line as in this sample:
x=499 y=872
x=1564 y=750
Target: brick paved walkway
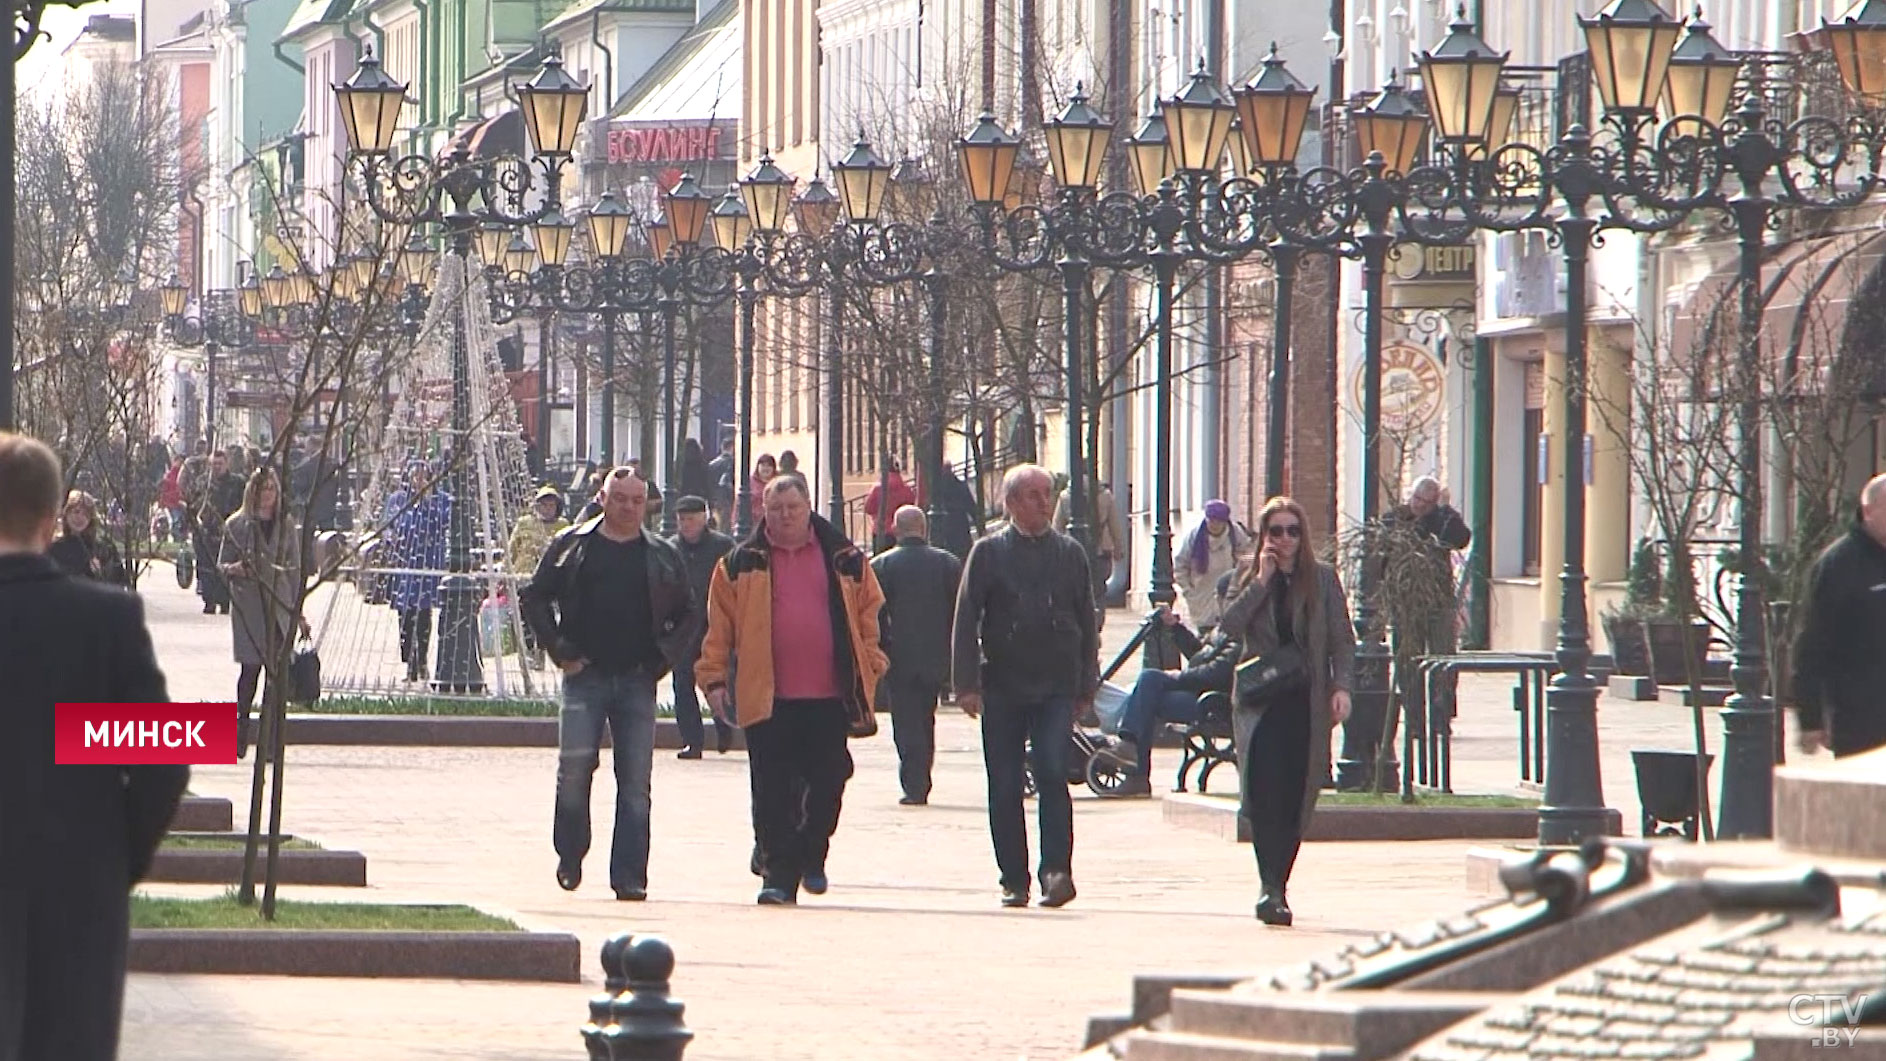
x=909 y=957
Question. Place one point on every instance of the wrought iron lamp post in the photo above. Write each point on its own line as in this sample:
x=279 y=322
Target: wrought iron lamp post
x=466 y=196
x=222 y=321
x=839 y=240
x=1747 y=167
x=1641 y=177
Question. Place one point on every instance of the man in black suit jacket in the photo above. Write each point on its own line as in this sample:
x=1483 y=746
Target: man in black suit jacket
x=73 y=839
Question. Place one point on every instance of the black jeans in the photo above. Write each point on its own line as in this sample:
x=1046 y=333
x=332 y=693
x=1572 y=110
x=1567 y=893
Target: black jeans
x=1041 y=730
x=800 y=763
x=1276 y=767
x=688 y=708
x=913 y=728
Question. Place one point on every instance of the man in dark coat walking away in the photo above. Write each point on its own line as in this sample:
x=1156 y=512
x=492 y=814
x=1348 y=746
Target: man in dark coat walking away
x=1028 y=641
x=73 y=839
x=919 y=583
x=1839 y=662
x=701 y=547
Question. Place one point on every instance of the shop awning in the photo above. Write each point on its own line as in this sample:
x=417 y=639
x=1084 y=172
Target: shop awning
x=1808 y=292
x=503 y=135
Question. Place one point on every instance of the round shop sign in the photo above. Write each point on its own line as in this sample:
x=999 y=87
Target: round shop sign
x=1413 y=387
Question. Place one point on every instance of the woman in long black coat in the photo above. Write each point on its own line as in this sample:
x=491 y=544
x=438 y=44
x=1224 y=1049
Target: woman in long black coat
x=1285 y=597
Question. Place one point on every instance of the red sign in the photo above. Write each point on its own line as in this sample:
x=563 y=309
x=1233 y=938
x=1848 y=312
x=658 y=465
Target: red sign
x=144 y=734
x=679 y=142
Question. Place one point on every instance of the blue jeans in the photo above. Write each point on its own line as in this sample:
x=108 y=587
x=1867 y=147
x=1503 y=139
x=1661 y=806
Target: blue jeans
x=688 y=710
x=626 y=703
x=1041 y=730
x=1154 y=700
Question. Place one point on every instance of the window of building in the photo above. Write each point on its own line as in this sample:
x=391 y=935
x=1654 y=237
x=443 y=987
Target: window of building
x=1537 y=458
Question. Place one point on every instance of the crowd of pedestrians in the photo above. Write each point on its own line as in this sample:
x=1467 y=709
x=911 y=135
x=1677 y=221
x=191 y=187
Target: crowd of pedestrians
x=794 y=636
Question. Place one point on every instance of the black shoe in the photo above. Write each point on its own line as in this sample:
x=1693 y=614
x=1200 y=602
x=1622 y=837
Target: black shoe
x=914 y=801
x=1014 y=897
x=1134 y=785
x=816 y=882
x=569 y=875
x=1057 y=889
x=722 y=741
x=209 y=609
x=777 y=897
x=689 y=752
x=1274 y=909
x=631 y=895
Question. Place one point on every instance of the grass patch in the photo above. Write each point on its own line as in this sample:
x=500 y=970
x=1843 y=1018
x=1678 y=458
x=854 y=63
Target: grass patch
x=202 y=842
x=1426 y=799
x=1422 y=799
x=429 y=705
x=224 y=912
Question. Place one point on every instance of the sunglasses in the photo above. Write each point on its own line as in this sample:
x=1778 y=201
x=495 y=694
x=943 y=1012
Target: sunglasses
x=1284 y=530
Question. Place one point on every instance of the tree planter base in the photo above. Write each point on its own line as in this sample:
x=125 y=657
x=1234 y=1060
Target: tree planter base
x=1632 y=687
x=1390 y=822
x=1706 y=696
x=457 y=731
x=544 y=956
x=203 y=814
x=346 y=869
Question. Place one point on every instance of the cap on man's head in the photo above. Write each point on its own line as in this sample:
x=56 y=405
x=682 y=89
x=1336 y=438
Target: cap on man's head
x=548 y=493
x=689 y=504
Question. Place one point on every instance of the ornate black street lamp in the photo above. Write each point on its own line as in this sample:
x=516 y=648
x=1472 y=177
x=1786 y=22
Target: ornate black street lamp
x=464 y=195
x=221 y=321
x=679 y=273
x=840 y=242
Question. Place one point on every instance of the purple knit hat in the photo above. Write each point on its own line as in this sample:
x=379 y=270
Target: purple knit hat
x=1199 y=551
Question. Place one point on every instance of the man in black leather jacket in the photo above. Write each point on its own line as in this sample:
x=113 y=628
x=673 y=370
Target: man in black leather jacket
x=610 y=604
x=1161 y=696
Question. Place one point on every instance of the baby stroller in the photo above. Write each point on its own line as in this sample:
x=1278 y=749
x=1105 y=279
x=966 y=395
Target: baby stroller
x=1090 y=760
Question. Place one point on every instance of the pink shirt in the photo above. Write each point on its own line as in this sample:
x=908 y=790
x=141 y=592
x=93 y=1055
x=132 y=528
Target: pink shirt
x=803 y=649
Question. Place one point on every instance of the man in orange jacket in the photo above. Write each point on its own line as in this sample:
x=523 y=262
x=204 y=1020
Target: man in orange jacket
x=794 y=610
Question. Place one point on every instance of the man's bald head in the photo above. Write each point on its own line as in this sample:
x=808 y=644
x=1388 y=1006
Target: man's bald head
x=909 y=522
x=1873 y=508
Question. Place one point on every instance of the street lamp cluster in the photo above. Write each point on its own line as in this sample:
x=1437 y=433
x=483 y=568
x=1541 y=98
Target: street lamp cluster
x=472 y=200
x=1440 y=166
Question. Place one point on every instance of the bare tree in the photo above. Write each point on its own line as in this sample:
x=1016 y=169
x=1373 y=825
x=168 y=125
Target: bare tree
x=97 y=186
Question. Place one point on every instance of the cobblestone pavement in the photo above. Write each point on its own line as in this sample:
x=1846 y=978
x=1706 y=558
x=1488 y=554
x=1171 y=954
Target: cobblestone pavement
x=909 y=956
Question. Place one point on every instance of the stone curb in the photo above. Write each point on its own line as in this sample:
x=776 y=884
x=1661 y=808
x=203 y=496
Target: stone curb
x=346 y=869
x=203 y=814
x=456 y=731
x=1333 y=823
x=549 y=956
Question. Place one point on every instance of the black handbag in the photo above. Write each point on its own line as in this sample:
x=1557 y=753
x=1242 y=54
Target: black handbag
x=304 y=675
x=1280 y=671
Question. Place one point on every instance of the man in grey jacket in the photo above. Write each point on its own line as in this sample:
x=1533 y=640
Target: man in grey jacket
x=1027 y=639
x=919 y=583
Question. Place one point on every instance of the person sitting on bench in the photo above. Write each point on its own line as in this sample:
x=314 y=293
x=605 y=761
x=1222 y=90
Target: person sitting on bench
x=1162 y=696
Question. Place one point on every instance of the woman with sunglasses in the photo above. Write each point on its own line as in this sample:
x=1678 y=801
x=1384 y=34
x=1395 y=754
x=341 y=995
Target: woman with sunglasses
x=1284 y=597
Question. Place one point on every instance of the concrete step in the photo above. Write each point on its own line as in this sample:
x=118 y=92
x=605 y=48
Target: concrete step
x=1188 y=1046
x=1362 y=1024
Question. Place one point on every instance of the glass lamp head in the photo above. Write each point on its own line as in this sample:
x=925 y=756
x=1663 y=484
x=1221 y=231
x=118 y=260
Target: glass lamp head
x=1630 y=42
